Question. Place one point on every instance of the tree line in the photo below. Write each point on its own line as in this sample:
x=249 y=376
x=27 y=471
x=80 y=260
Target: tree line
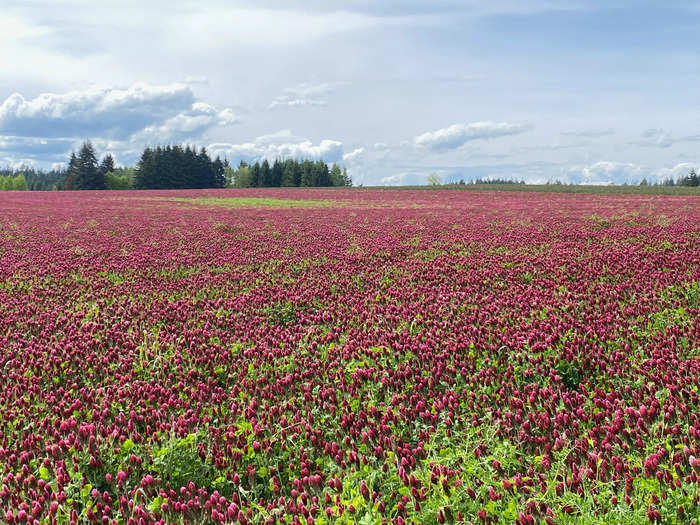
x=27 y=178
x=287 y=173
x=691 y=179
x=173 y=167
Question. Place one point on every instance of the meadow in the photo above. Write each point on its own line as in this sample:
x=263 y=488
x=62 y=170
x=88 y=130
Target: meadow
x=349 y=356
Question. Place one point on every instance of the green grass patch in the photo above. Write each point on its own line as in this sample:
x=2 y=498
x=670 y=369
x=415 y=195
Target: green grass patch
x=251 y=202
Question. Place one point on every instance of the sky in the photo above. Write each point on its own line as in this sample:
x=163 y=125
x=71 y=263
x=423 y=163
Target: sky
x=594 y=92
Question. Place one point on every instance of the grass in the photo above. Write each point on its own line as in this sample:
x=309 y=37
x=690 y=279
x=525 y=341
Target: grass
x=251 y=202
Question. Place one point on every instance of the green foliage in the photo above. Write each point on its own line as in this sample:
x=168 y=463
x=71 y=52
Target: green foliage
x=288 y=173
x=282 y=313
x=116 y=182
x=13 y=183
x=83 y=171
x=175 y=167
x=570 y=374
x=178 y=461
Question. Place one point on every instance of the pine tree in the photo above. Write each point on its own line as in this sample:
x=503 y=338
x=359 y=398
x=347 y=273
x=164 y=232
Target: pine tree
x=143 y=170
x=265 y=174
x=693 y=179
x=218 y=167
x=277 y=174
x=87 y=168
x=288 y=174
x=255 y=175
x=307 y=175
x=107 y=164
x=71 y=173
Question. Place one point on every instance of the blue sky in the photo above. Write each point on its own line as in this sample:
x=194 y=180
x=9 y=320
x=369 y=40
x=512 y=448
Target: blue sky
x=595 y=91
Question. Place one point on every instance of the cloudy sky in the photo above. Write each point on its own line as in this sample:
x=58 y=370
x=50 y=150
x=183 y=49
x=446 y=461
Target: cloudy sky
x=583 y=91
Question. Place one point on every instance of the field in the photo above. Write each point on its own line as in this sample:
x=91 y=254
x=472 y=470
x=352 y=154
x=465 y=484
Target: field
x=349 y=356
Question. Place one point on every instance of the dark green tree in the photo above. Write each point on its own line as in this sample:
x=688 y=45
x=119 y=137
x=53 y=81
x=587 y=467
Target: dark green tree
x=288 y=172
x=277 y=174
x=71 y=173
x=265 y=174
x=307 y=175
x=255 y=175
x=218 y=168
x=88 y=176
x=107 y=164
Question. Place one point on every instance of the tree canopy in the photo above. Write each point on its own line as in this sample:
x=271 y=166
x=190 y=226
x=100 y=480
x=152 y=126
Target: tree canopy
x=175 y=167
x=287 y=173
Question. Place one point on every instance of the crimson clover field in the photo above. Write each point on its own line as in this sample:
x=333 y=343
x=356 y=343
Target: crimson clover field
x=349 y=356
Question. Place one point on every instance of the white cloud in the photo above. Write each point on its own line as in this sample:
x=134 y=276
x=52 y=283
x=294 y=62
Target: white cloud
x=17 y=164
x=303 y=95
x=95 y=111
x=280 y=145
x=353 y=155
x=457 y=135
x=679 y=170
x=188 y=124
x=605 y=172
x=395 y=180
x=48 y=126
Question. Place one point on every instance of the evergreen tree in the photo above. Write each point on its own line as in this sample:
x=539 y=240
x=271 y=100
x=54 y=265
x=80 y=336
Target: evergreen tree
x=107 y=164
x=307 y=175
x=322 y=177
x=288 y=174
x=277 y=174
x=88 y=178
x=72 y=173
x=143 y=170
x=255 y=175
x=265 y=174
x=219 y=179
x=205 y=173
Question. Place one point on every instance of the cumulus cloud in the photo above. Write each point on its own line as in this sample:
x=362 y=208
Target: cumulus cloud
x=95 y=111
x=395 y=180
x=187 y=124
x=281 y=145
x=679 y=170
x=48 y=126
x=606 y=172
x=353 y=155
x=303 y=95
x=457 y=135
x=17 y=164
x=160 y=112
